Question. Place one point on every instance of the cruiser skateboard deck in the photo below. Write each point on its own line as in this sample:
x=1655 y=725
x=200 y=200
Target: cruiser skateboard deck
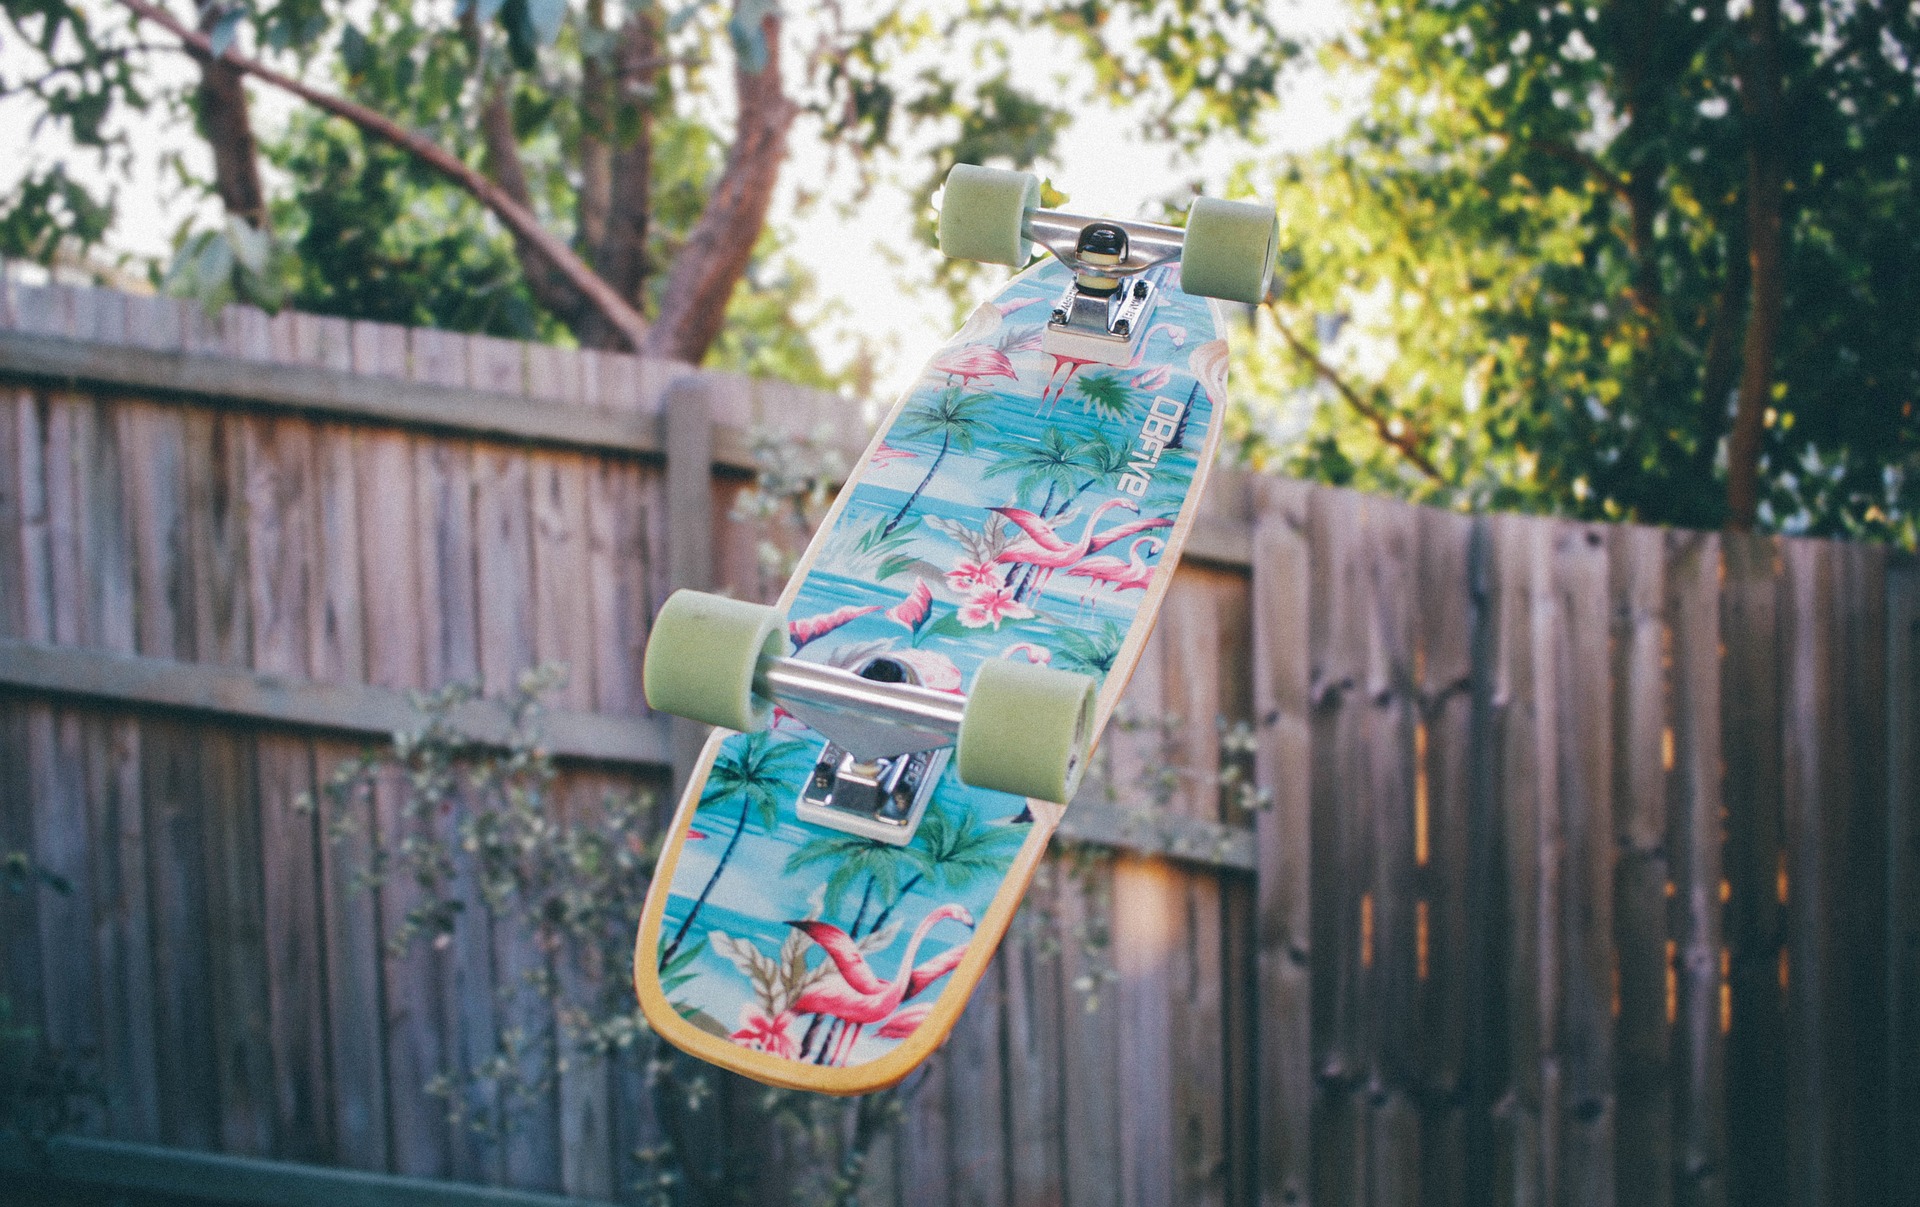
x=902 y=728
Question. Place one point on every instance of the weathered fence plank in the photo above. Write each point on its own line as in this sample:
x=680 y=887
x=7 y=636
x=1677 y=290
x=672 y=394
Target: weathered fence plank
x=1644 y=741
x=1695 y=812
x=1447 y=618
x=1903 y=854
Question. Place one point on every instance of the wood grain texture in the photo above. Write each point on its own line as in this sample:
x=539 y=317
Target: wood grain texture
x=1903 y=864
x=1283 y=884
x=1750 y=622
x=1696 y=808
x=1521 y=1164
x=1643 y=634
x=1450 y=619
x=1583 y=737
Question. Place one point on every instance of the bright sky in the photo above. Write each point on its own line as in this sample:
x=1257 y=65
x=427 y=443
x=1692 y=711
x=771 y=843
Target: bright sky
x=866 y=268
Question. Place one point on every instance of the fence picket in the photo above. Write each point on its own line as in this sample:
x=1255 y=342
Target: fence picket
x=1903 y=851
x=1583 y=1047
x=1642 y=727
x=1695 y=808
x=1447 y=617
x=1283 y=885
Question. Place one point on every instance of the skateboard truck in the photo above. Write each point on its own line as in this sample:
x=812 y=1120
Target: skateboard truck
x=888 y=740
x=1105 y=310
x=1020 y=728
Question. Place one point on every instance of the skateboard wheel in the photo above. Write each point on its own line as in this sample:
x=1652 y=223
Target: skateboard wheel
x=983 y=214
x=702 y=655
x=1229 y=250
x=1025 y=730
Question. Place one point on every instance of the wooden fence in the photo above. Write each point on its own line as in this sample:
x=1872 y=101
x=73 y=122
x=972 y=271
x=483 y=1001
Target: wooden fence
x=1589 y=874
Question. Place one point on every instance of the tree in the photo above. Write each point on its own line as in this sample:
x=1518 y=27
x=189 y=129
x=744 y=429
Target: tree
x=1638 y=261
x=581 y=140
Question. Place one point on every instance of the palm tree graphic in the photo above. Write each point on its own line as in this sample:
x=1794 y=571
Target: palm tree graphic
x=1105 y=395
x=952 y=417
x=757 y=772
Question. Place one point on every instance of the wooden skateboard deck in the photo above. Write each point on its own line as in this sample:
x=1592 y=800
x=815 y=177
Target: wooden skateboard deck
x=813 y=959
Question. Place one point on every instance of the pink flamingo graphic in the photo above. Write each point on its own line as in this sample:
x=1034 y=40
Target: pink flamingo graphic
x=972 y=361
x=1047 y=551
x=985 y=321
x=886 y=453
x=856 y=996
x=906 y=1022
x=1072 y=364
x=1131 y=575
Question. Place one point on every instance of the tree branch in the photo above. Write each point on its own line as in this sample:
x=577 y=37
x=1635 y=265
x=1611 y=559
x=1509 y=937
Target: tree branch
x=517 y=218
x=551 y=288
x=1378 y=419
x=720 y=245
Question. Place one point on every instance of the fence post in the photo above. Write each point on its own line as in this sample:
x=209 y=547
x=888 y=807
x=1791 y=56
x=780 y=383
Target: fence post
x=689 y=443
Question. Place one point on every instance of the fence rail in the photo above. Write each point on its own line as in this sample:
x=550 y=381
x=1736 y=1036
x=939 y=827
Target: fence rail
x=1588 y=876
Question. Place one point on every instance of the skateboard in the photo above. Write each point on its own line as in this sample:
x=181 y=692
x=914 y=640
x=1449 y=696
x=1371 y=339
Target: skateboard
x=899 y=733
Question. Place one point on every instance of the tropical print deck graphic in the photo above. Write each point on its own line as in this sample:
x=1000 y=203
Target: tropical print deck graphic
x=1018 y=507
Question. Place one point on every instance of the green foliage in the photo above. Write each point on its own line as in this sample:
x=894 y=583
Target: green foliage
x=1528 y=263
x=487 y=836
x=372 y=235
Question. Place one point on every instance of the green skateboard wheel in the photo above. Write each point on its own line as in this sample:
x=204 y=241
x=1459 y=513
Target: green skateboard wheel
x=982 y=215
x=1229 y=250
x=701 y=658
x=1025 y=730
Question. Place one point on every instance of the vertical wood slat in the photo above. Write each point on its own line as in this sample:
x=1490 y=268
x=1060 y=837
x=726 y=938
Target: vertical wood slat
x=1835 y=834
x=1695 y=812
x=1340 y=809
x=1583 y=738
x=391 y=604
x=1449 y=619
x=157 y=506
x=1090 y=1039
x=116 y=829
x=503 y=545
x=1388 y=695
x=1031 y=996
x=337 y=652
x=1518 y=1165
x=443 y=494
x=1903 y=883
x=282 y=550
x=56 y=737
x=1859 y=628
x=1642 y=626
x=689 y=520
x=1752 y=634
x=563 y=636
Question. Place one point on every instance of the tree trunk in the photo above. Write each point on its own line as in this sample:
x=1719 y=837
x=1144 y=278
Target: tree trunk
x=220 y=107
x=502 y=142
x=617 y=224
x=715 y=257
x=1761 y=99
